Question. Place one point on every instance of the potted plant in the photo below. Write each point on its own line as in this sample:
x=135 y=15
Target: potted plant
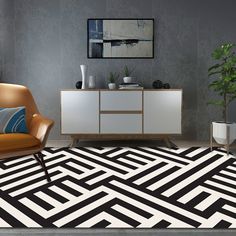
x=224 y=84
x=112 y=79
x=127 y=73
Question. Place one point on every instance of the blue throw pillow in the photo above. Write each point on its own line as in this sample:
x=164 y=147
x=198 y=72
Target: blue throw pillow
x=12 y=120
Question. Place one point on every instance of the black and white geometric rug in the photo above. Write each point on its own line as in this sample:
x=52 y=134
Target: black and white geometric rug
x=142 y=187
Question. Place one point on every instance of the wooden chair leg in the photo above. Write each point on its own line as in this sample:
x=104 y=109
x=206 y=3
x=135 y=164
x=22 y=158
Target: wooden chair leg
x=39 y=157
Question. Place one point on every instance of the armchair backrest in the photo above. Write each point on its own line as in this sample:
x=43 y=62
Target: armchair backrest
x=12 y=95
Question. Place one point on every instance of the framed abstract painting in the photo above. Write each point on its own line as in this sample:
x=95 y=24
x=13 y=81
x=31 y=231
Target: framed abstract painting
x=120 y=38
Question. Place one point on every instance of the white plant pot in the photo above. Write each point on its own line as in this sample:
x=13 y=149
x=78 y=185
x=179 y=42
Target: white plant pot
x=112 y=86
x=127 y=79
x=220 y=132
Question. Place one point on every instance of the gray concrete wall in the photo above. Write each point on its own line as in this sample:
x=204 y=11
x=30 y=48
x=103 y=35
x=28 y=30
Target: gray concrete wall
x=6 y=36
x=51 y=42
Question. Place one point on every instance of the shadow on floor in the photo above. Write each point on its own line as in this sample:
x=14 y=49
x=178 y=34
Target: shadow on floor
x=121 y=143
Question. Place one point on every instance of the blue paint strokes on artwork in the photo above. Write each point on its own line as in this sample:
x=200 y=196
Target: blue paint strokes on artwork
x=96 y=38
x=95 y=29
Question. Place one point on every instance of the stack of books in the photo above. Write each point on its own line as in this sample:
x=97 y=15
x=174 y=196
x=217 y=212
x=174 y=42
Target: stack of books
x=130 y=86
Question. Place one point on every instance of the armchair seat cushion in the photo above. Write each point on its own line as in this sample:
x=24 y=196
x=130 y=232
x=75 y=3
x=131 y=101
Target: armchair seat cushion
x=10 y=142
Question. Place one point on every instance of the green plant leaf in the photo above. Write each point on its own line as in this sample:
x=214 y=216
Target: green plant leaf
x=216 y=66
x=214 y=73
x=127 y=71
x=218 y=53
x=113 y=76
x=217 y=103
x=224 y=83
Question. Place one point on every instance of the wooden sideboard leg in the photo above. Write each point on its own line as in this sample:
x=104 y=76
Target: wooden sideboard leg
x=74 y=142
x=167 y=142
x=173 y=145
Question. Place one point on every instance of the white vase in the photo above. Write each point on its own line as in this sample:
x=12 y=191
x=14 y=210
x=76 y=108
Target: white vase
x=220 y=132
x=92 y=83
x=84 y=75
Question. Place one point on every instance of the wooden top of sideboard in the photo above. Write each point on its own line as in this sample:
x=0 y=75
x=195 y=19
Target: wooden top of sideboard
x=122 y=89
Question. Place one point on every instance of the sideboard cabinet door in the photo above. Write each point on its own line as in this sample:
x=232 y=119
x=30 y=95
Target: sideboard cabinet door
x=162 y=112
x=79 y=112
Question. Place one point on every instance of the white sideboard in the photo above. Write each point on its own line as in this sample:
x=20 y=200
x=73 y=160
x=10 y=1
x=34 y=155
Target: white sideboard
x=121 y=113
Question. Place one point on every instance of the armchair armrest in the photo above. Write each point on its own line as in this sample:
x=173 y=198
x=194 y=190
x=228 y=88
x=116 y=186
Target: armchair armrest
x=40 y=128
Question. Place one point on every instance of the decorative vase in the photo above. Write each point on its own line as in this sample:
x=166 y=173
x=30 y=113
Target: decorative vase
x=112 y=86
x=92 y=83
x=78 y=85
x=157 y=84
x=166 y=86
x=84 y=75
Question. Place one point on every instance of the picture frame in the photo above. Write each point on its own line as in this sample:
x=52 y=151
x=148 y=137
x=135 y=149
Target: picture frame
x=117 y=38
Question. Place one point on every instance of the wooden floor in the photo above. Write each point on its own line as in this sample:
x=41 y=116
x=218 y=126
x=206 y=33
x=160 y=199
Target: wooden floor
x=89 y=143
x=115 y=232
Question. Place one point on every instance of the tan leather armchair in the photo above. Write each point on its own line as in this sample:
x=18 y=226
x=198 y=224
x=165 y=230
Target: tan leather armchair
x=17 y=145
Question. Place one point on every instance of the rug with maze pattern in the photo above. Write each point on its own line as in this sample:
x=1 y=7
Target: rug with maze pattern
x=120 y=187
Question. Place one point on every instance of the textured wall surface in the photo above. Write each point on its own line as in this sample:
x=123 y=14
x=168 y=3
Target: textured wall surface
x=50 y=42
x=6 y=36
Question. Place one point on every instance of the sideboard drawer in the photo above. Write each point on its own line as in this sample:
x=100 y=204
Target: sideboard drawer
x=121 y=100
x=121 y=123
